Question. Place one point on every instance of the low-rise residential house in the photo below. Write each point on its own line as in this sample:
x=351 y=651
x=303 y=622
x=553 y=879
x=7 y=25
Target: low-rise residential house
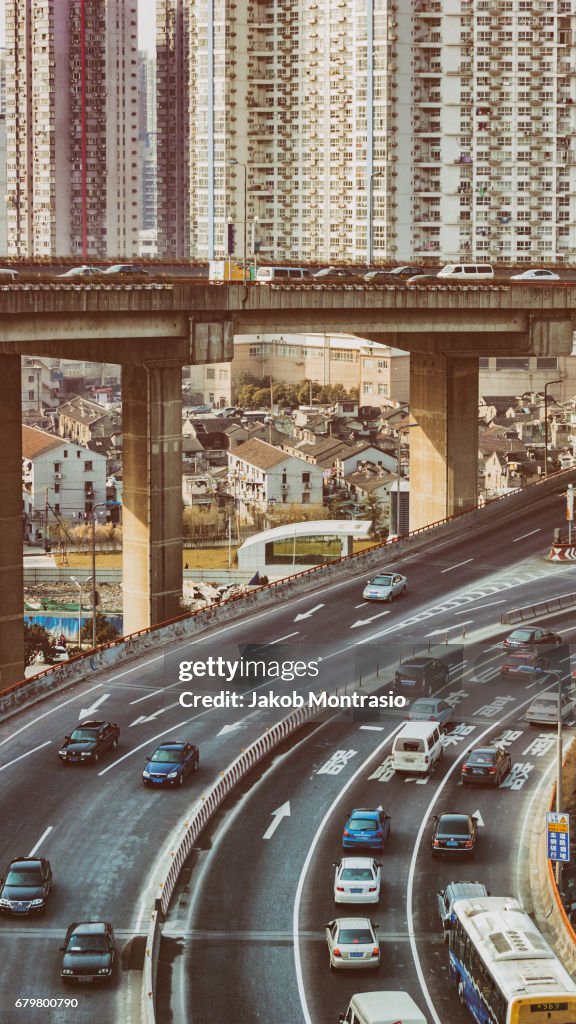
x=61 y=480
x=504 y=473
x=365 y=456
x=81 y=420
x=39 y=389
x=261 y=475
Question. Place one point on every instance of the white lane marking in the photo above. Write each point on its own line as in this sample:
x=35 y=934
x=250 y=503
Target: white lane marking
x=277 y=816
x=269 y=643
x=373 y=728
x=45 y=714
x=45 y=833
x=477 y=607
x=361 y=605
x=365 y=622
x=85 y=712
x=305 y=866
x=146 y=696
x=412 y=869
x=27 y=754
x=457 y=566
x=311 y=611
x=524 y=535
x=445 y=629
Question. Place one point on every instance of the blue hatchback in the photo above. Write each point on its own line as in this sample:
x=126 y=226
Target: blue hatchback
x=170 y=764
x=366 y=827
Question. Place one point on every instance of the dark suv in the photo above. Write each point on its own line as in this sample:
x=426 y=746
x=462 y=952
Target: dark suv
x=420 y=677
x=88 y=741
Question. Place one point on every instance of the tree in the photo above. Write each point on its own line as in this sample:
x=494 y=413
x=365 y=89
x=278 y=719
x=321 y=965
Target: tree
x=105 y=630
x=372 y=510
x=37 y=640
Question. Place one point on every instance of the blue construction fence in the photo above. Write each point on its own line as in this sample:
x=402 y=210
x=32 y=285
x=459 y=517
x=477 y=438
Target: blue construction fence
x=67 y=624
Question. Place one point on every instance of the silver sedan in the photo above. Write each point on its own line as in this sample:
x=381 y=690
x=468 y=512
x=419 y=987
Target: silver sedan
x=385 y=586
x=352 y=943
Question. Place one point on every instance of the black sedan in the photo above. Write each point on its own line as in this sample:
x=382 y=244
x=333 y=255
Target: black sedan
x=486 y=764
x=529 y=637
x=88 y=952
x=170 y=764
x=454 y=833
x=88 y=741
x=389 y=275
x=420 y=677
x=26 y=885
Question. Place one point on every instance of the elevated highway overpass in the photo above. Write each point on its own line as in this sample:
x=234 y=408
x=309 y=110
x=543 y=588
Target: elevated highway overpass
x=153 y=329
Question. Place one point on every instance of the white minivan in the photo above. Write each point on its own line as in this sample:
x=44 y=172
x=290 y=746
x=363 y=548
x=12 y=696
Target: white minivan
x=276 y=275
x=468 y=272
x=382 y=1008
x=417 y=746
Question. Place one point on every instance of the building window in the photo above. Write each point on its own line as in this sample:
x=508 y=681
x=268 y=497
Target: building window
x=57 y=467
x=306 y=498
x=57 y=509
x=305 y=478
x=87 y=467
x=65 y=453
x=30 y=396
x=547 y=363
x=210 y=373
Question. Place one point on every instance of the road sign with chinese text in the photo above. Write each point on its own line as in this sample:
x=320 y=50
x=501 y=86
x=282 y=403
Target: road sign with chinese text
x=558 y=835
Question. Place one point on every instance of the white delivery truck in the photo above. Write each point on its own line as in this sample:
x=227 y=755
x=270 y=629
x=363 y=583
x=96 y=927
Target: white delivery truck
x=382 y=1008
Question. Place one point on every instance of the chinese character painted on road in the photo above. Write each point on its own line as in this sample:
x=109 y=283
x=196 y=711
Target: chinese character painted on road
x=507 y=737
x=458 y=734
x=337 y=761
x=517 y=777
x=541 y=745
x=489 y=710
x=455 y=697
x=384 y=771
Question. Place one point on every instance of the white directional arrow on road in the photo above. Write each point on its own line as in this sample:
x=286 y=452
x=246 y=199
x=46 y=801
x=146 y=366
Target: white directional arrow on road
x=85 y=712
x=228 y=728
x=147 y=718
x=479 y=819
x=364 y=622
x=150 y=718
x=306 y=615
x=277 y=815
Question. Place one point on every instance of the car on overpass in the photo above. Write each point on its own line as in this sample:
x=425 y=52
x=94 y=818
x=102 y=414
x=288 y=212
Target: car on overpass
x=454 y=833
x=544 y=709
x=357 y=880
x=170 y=763
x=420 y=676
x=366 y=827
x=523 y=666
x=531 y=637
x=88 y=741
x=536 y=274
x=25 y=886
x=125 y=268
x=352 y=943
x=89 y=952
x=430 y=709
x=385 y=586
x=83 y=271
x=486 y=764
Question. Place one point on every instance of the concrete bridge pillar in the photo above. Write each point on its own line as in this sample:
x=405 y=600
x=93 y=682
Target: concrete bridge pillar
x=152 y=493
x=444 y=445
x=11 y=571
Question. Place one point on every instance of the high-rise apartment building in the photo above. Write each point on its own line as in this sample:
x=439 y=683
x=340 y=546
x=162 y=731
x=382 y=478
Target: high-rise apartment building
x=175 y=105
x=147 y=140
x=72 y=127
x=352 y=129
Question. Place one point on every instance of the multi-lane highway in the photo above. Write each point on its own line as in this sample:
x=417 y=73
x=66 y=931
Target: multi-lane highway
x=247 y=928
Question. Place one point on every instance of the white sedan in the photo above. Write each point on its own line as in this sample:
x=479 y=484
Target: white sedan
x=536 y=274
x=352 y=943
x=357 y=880
x=544 y=709
x=385 y=586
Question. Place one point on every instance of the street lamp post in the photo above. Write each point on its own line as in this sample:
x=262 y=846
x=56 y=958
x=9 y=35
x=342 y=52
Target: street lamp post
x=99 y=504
x=238 y=163
x=80 y=588
x=546 y=386
x=370 y=216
